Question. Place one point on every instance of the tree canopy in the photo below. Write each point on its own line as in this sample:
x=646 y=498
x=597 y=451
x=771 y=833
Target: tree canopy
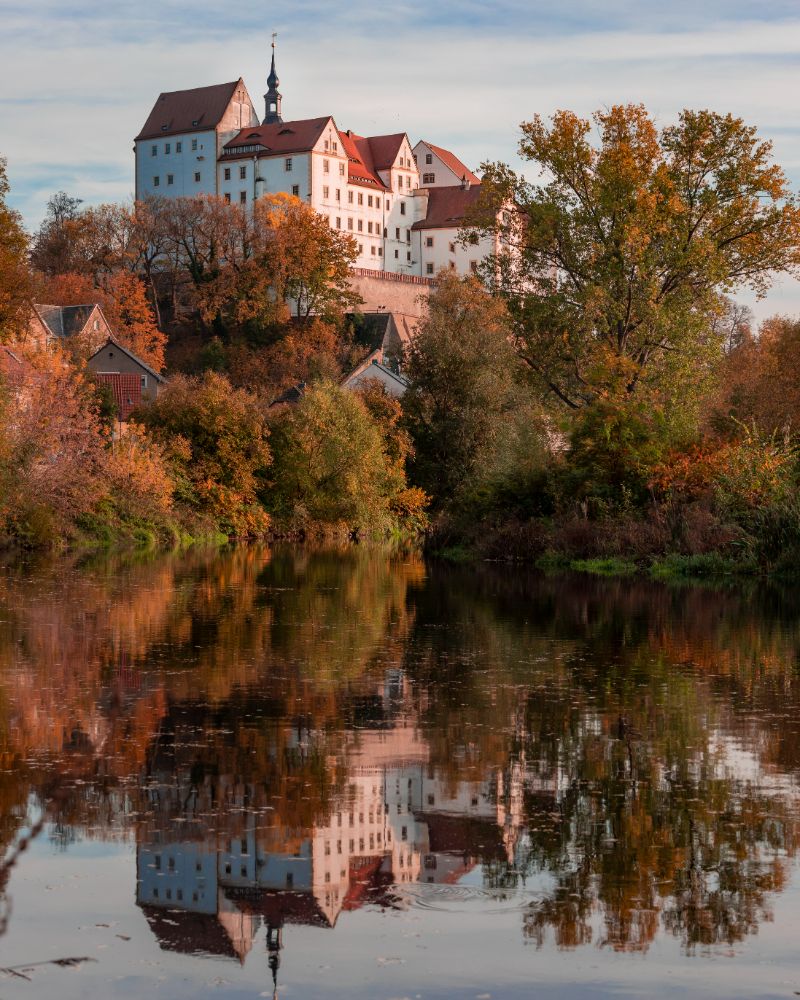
x=616 y=265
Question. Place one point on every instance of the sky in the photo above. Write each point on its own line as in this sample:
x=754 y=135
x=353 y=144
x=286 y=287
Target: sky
x=78 y=78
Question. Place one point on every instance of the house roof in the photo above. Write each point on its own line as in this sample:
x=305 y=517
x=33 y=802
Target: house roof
x=448 y=206
x=385 y=148
x=184 y=110
x=187 y=932
x=279 y=137
x=371 y=365
x=126 y=389
x=361 y=168
x=65 y=321
x=459 y=168
x=291 y=396
x=131 y=355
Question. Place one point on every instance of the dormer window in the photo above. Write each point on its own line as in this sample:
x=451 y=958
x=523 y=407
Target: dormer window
x=195 y=123
x=164 y=128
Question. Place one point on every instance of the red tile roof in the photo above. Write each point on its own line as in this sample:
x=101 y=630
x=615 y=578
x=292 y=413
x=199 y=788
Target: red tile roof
x=361 y=166
x=184 y=110
x=452 y=161
x=447 y=206
x=126 y=390
x=280 y=137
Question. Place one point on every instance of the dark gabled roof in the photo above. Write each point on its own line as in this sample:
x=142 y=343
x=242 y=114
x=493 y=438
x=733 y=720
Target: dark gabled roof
x=187 y=110
x=65 y=321
x=279 y=137
x=187 y=932
x=385 y=148
x=290 y=396
x=131 y=355
x=448 y=206
x=459 y=168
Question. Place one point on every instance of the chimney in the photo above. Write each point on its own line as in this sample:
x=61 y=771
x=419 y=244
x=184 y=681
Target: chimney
x=465 y=183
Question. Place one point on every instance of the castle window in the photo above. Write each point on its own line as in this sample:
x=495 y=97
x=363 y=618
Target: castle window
x=170 y=178
x=227 y=173
x=388 y=204
x=287 y=164
x=429 y=157
x=338 y=222
x=335 y=147
x=242 y=173
x=327 y=144
x=349 y=197
x=360 y=226
x=429 y=178
x=380 y=251
x=154 y=150
x=167 y=148
x=428 y=241
x=350 y=223
x=369 y=200
x=227 y=197
x=326 y=192
x=360 y=250
x=194 y=144
x=326 y=166
x=296 y=190
x=144 y=386
x=402 y=208
x=408 y=235
x=360 y=198
x=178 y=147
x=341 y=170
x=372 y=249
x=397 y=233
x=396 y=254
x=197 y=176
x=369 y=227
x=429 y=268
x=156 y=181
x=338 y=194
x=242 y=197
x=408 y=256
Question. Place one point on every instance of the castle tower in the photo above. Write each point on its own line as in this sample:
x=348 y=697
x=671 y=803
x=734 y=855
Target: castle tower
x=272 y=98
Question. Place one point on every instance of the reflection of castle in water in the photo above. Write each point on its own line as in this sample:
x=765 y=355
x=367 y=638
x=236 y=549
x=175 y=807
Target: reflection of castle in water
x=396 y=822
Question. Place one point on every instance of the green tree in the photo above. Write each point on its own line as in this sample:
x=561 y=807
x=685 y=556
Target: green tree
x=462 y=372
x=616 y=267
x=332 y=463
x=14 y=274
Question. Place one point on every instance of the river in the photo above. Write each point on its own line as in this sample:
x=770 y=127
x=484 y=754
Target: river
x=348 y=773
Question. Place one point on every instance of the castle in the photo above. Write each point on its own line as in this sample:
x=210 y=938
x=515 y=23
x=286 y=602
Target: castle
x=403 y=205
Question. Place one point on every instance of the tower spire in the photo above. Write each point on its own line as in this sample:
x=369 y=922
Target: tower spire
x=272 y=98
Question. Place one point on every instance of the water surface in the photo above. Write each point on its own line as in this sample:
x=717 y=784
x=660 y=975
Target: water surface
x=349 y=774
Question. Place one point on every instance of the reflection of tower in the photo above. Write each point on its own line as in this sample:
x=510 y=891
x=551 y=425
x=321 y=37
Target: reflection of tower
x=274 y=945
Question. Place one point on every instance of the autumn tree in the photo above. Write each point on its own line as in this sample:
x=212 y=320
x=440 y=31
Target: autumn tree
x=615 y=276
x=256 y=269
x=217 y=436
x=761 y=381
x=14 y=275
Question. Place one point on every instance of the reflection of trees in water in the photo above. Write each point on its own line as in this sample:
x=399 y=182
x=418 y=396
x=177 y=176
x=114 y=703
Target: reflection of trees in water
x=170 y=693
